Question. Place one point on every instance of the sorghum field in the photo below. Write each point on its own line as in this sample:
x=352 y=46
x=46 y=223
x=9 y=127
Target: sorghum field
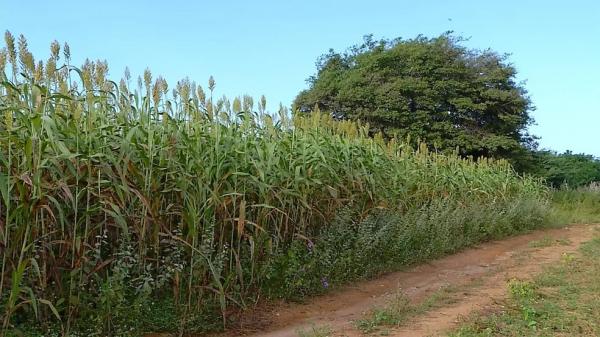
x=134 y=206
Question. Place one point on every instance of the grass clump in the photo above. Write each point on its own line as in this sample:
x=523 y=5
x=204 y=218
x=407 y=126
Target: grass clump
x=399 y=310
x=548 y=241
x=394 y=313
x=124 y=204
x=316 y=331
x=579 y=205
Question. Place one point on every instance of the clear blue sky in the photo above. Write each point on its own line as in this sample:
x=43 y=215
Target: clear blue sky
x=269 y=47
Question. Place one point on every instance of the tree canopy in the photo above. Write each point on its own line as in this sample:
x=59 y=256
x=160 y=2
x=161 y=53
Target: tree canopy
x=568 y=168
x=430 y=89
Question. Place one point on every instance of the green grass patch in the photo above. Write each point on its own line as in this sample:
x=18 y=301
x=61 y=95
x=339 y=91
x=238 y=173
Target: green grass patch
x=580 y=205
x=399 y=311
x=562 y=301
x=315 y=331
x=548 y=241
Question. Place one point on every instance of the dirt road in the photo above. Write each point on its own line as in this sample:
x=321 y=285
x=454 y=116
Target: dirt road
x=492 y=264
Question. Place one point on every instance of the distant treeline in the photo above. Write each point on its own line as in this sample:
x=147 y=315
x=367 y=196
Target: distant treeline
x=565 y=169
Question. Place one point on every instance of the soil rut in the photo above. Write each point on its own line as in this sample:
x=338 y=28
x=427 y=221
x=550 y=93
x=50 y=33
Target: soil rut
x=493 y=263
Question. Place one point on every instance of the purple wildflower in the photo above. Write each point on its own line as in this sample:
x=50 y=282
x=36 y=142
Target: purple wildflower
x=324 y=282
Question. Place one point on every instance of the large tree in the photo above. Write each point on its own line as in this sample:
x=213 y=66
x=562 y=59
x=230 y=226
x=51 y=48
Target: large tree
x=429 y=89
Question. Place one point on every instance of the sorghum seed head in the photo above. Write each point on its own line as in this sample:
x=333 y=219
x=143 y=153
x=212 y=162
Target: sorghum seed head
x=10 y=46
x=201 y=95
x=39 y=71
x=55 y=50
x=25 y=57
x=147 y=78
x=50 y=68
x=67 y=51
x=211 y=83
x=237 y=105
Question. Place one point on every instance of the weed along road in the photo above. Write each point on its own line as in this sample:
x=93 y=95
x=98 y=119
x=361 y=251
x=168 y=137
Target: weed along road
x=476 y=278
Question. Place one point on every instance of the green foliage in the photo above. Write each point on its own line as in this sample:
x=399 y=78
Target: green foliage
x=433 y=90
x=573 y=170
x=396 y=312
x=524 y=294
x=348 y=249
x=548 y=241
x=116 y=200
x=579 y=205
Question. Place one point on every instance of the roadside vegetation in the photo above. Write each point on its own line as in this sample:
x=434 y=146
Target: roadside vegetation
x=398 y=311
x=576 y=205
x=562 y=301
